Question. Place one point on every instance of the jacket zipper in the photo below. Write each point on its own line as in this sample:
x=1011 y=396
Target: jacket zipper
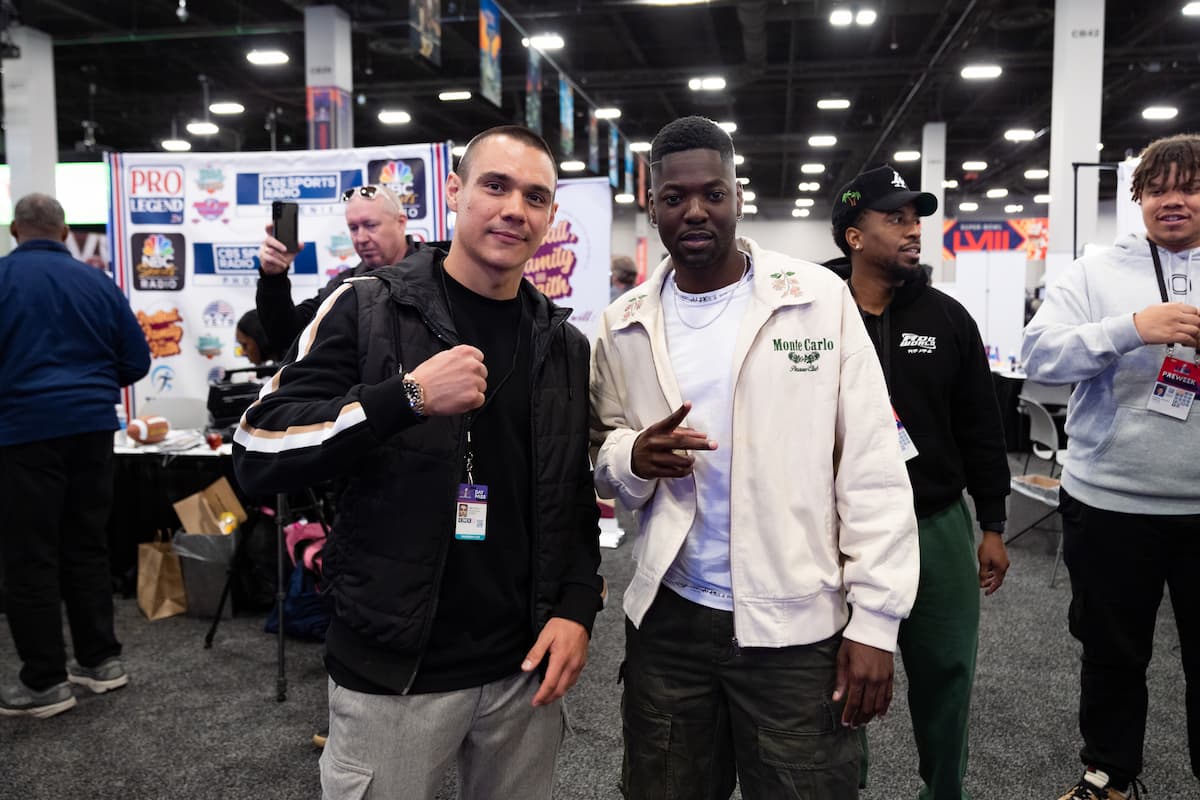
x=427 y=627
x=534 y=505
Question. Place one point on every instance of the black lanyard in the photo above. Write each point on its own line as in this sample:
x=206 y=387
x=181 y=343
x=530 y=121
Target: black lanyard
x=1158 y=272
x=1162 y=291
x=471 y=416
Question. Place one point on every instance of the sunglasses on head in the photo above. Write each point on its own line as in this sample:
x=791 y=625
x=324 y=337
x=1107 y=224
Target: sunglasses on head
x=368 y=191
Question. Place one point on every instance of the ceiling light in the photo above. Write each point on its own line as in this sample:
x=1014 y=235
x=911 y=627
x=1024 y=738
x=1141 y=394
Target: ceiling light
x=996 y=194
x=713 y=84
x=907 y=155
x=822 y=140
x=968 y=206
x=267 y=58
x=841 y=17
x=865 y=17
x=176 y=145
x=395 y=117
x=202 y=128
x=572 y=166
x=1019 y=135
x=1037 y=174
x=728 y=127
x=749 y=208
x=805 y=202
x=950 y=184
x=812 y=169
x=1099 y=146
x=743 y=181
x=639 y=147
x=749 y=197
x=673 y=2
x=809 y=186
x=458 y=151
x=1014 y=208
x=227 y=108
x=1159 y=112
x=981 y=72
x=833 y=104
x=800 y=212
x=454 y=95
x=974 y=166
x=624 y=198
x=1192 y=10
x=608 y=113
x=1041 y=198
x=544 y=41
x=738 y=160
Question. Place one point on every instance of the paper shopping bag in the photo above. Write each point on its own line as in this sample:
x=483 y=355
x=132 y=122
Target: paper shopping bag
x=160 y=592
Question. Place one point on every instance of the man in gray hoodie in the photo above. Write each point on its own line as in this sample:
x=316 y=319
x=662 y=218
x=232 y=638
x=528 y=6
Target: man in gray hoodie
x=1123 y=325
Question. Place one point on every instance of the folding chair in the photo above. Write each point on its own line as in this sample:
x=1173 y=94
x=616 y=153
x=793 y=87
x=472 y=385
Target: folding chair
x=1043 y=443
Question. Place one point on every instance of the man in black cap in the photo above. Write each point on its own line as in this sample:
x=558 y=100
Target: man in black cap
x=951 y=436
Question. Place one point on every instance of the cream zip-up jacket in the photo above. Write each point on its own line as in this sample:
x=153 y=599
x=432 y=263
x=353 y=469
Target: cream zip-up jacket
x=820 y=503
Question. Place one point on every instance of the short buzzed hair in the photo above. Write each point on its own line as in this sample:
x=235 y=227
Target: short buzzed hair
x=1181 y=151
x=39 y=216
x=518 y=132
x=691 y=133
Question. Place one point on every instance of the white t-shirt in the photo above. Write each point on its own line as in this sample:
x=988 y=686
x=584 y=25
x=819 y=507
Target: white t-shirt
x=702 y=330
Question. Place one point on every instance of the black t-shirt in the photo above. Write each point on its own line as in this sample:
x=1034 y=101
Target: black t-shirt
x=482 y=628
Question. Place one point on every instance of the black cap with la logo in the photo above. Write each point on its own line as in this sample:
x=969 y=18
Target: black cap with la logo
x=879 y=189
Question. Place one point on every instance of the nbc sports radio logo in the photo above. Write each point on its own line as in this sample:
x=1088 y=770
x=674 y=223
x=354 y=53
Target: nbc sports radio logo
x=406 y=178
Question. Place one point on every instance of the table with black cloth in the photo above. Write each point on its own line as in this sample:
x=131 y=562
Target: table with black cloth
x=146 y=482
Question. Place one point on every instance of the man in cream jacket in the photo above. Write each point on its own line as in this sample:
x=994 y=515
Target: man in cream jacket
x=738 y=403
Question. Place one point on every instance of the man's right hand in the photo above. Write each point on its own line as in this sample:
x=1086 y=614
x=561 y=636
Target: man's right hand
x=1169 y=323
x=453 y=381
x=660 y=450
x=273 y=256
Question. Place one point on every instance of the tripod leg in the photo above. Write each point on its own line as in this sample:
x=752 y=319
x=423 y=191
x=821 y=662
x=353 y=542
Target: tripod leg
x=280 y=591
x=239 y=546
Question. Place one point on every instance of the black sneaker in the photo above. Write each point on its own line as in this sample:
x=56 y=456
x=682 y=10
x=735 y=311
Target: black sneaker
x=1094 y=785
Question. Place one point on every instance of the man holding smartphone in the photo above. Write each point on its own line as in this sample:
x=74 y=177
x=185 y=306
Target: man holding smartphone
x=377 y=224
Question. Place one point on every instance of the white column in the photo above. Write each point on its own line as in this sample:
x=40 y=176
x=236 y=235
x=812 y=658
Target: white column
x=30 y=124
x=328 y=77
x=933 y=172
x=1078 y=82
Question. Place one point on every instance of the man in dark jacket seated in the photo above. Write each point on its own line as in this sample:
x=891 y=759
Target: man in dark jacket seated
x=443 y=381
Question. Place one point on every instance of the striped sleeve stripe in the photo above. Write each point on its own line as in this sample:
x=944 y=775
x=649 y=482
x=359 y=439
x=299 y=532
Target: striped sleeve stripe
x=297 y=437
x=263 y=440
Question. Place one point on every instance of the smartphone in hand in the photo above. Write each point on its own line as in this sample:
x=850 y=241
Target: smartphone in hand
x=285 y=218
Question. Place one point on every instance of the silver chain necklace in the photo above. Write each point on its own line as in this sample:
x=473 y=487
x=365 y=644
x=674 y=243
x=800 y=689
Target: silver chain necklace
x=675 y=292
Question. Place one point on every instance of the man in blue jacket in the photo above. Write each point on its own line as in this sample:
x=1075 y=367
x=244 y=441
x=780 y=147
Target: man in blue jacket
x=68 y=343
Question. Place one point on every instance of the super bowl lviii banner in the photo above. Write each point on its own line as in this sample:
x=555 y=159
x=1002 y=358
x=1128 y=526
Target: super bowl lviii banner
x=184 y=231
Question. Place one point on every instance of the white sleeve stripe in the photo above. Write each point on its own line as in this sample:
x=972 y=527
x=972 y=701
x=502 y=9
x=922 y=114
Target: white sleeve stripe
x=297 y=437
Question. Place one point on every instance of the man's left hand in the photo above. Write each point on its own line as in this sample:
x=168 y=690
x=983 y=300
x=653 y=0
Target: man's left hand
x=864 y=678
x=993 y=562
x=567 y=644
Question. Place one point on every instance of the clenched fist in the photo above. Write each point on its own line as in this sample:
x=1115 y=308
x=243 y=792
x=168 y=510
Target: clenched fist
x=1168 y=323
x=453 y=381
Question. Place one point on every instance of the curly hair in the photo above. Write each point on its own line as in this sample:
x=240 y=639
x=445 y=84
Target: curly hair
x=1181 y=151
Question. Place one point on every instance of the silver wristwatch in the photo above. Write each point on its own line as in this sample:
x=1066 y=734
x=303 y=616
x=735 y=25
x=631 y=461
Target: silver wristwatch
x=415 y=395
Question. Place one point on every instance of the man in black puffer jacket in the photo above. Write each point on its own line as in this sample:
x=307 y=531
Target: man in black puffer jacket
x=450 y=396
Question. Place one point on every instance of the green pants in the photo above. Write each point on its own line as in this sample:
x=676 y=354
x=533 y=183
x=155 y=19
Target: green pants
x=938 y=643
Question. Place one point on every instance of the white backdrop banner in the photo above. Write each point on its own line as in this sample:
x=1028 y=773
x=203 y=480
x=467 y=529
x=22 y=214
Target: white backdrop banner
x=573 y=264
x=184 y=231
